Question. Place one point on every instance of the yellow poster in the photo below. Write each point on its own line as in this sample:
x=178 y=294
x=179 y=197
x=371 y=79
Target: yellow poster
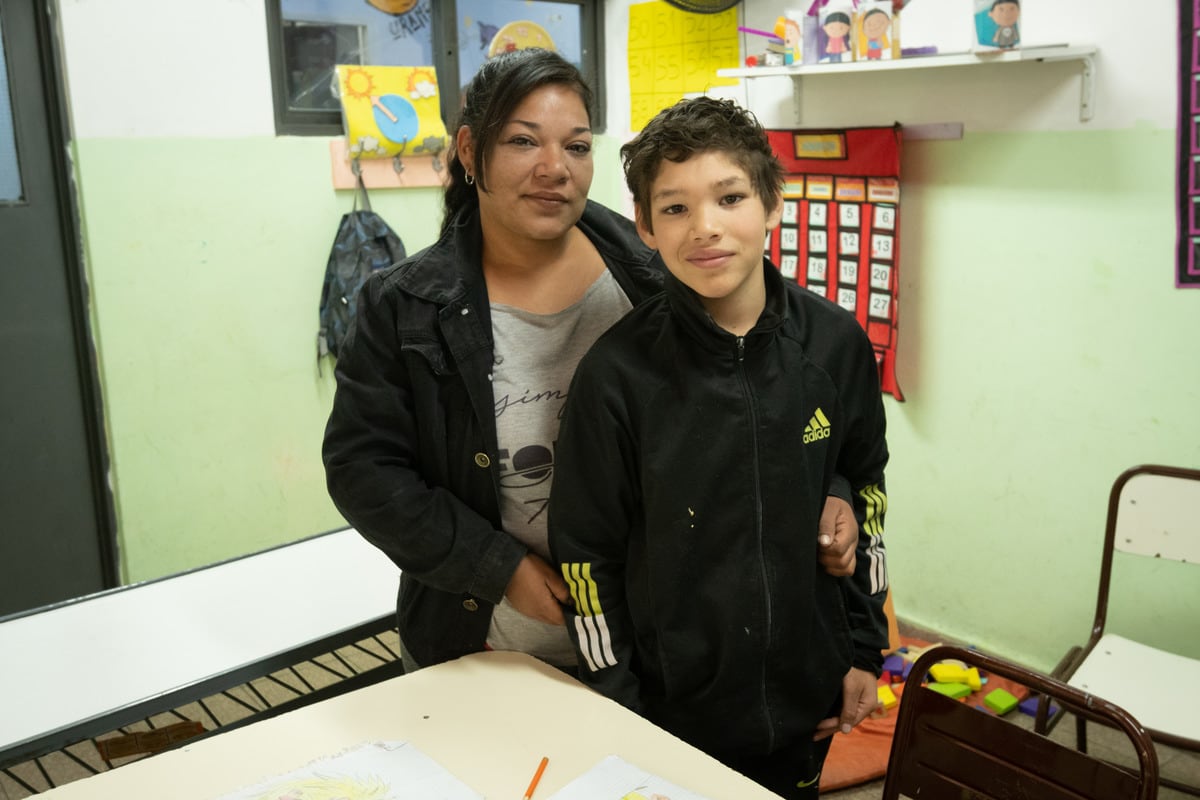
x=390 y=111
x=674 y=52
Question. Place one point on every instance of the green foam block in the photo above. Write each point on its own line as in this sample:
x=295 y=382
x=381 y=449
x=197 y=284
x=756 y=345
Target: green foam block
x=1000 y=701
x=955 y=690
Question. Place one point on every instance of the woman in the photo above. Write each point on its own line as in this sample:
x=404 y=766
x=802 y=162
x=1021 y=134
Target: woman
x=439 y=448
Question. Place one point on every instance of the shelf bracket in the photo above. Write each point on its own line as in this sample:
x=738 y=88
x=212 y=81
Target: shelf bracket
x=1087 y=87
x=797 y=98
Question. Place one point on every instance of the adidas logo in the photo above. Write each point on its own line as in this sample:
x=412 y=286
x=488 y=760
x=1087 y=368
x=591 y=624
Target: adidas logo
x=817 y=427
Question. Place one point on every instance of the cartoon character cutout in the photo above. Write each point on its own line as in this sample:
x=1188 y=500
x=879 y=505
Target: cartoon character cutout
x=874 y=26
x=996 y=23
x=1005 y=14
x=838 y=45
x=789 y=31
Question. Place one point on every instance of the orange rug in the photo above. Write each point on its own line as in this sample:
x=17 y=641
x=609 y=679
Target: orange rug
x=862 y=755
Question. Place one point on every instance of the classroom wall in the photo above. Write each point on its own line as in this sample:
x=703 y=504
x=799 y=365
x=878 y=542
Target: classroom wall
x=206 y=238
x=1043 y=347
x=1042 y=343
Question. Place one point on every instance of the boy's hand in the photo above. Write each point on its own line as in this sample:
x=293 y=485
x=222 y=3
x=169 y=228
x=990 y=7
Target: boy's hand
x=837 y=537
x=859 y=698
x=537 y=590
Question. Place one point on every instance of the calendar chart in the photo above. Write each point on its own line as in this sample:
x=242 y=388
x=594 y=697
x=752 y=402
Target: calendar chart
x=839 y=235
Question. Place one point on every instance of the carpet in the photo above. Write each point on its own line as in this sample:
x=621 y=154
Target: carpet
x=862 y=755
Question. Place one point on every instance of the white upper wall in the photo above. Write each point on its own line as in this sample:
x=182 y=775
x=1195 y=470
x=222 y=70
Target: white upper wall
x=1134 y=81
x=140 y=68
x=143 y=68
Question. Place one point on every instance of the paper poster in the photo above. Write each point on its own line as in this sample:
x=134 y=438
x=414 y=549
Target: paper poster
x=616 y=779
x=520 y=35
x=390 y=111
x=674 y=52
x=370 y=771
x=840 y=233
x=1187 y=179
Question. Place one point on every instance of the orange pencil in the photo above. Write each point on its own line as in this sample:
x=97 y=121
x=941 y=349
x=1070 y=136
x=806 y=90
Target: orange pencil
x=537 y=776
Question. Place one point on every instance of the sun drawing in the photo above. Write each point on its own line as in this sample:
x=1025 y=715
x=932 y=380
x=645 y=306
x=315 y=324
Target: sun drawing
x=419 y=77
x=358 y=83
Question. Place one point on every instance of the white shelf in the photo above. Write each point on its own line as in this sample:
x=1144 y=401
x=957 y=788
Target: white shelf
x=1082 y=53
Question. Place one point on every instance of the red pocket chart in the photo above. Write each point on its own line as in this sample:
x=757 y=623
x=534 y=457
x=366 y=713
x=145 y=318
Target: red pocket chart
x=840 y=232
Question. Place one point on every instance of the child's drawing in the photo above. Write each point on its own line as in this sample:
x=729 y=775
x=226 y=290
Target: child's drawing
x=373 y=771
x=614 y=778
x=327 y=787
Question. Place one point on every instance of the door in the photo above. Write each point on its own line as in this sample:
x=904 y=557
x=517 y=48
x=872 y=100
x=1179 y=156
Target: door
x=56 y=519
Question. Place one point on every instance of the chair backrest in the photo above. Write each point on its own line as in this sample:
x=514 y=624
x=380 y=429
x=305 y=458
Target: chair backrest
x=1153 y=511
x=944 y=749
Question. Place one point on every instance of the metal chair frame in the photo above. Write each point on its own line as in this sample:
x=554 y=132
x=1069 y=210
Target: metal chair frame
x=1134 y=527
x=944 y=749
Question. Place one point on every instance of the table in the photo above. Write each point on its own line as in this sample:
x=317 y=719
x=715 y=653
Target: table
x=85 y=667
x=488 y=718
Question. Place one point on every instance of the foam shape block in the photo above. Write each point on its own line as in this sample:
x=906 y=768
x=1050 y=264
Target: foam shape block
x=887 y=698
x=973 y=679
x=948 y=673
x=894 y=664
x=1030 y=706
x=1000 y=701
x=954 y=690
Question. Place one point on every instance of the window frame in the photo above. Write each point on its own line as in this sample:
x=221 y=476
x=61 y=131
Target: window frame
x=293 y=122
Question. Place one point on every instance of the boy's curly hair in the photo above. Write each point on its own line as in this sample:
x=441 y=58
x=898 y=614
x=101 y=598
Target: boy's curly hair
x=701 y=125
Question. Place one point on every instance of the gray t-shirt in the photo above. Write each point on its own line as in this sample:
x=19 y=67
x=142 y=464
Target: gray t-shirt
x=536 y=355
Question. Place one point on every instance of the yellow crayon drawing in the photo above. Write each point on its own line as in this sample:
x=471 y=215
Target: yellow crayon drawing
x=323 y=787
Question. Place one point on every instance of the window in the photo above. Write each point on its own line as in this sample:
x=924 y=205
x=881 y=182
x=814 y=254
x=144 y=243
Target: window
x=10 y=170
x=307 y=38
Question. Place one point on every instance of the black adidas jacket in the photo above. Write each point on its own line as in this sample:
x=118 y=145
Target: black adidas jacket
x=691 y=470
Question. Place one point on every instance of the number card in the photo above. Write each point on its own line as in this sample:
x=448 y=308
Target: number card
x=787 y=265
x=818 y=269
x=845 y=185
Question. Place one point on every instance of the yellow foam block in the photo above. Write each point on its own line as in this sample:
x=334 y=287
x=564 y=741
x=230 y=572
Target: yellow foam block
x=973 y=679
x=948 y=673
x=887 y=698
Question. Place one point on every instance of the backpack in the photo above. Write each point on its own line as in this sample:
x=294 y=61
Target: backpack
x=364 y=244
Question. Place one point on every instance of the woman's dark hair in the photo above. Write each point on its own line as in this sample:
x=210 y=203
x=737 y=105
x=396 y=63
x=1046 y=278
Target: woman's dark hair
x=499 y=86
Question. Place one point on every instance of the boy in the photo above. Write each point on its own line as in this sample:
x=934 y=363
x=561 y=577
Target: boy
x=699 y=440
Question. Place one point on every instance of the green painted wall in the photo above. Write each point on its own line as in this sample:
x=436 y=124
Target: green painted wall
x=206 y=258
x=1043 y=348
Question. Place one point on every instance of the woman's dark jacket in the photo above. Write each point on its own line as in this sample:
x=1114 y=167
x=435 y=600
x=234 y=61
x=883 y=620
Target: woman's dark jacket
x=410 y=448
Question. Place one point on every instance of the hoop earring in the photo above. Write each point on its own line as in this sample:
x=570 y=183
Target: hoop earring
x=469 y=178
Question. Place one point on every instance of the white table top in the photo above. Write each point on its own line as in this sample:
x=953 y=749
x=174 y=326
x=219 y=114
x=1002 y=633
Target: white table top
x=488 y=718
x=111 y=650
